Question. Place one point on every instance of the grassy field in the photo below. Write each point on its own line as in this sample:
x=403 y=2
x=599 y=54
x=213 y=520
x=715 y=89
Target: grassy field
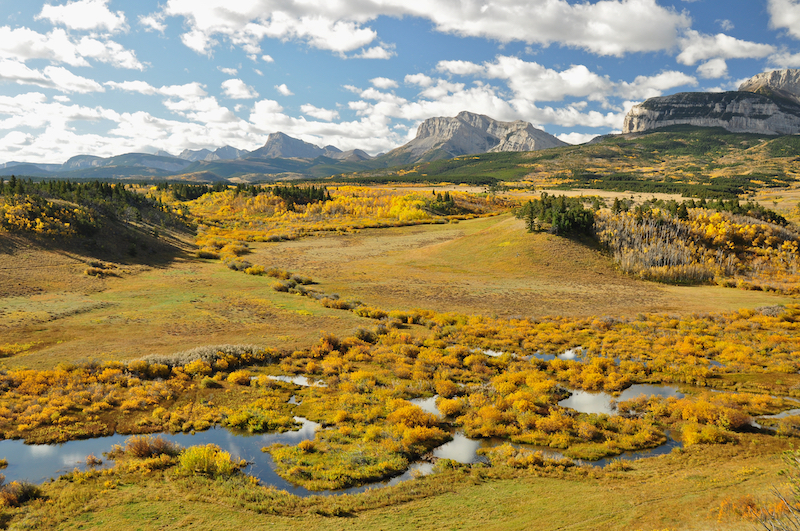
x=488 y=266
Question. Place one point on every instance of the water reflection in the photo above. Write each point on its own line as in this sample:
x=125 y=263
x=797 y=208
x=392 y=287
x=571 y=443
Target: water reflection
x=461 y=449
x=427 y=405
x=299 y=380
x=586 y=402
x=573 y=354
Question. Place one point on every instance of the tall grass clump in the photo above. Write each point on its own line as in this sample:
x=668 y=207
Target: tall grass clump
x=209 y=460
x=145 y=446
x=221 y=357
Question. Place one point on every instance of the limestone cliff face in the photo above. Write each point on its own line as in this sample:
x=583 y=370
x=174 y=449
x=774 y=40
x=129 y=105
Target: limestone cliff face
x=740 y=112
x=469 y=133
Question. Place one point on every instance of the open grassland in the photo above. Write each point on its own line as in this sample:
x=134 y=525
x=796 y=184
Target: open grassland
x=155 y=310
x=488 y=266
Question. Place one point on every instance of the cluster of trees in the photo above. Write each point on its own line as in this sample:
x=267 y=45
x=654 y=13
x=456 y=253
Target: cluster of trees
x=66 y=208
x=563 y=215
x=301 y=195
x=189 y=191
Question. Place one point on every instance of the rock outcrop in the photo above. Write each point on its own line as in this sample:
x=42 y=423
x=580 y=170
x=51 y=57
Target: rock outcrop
x=469 y=133
x=768 y=103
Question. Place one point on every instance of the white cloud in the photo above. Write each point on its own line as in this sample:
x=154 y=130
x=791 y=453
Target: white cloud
x=419 y=79
x=188 y=91
x=607 y=27
x=142 y=87
x=237 y=89
x=715 y=68
x=534 y=82
x=785 y=14
x=376 y=52
x=25 y=44
x=725 y=24
x=319 y=113
x=697 y=47
x=109 y=52
x=383 y=82
x=153 y=22
x=229 y=71
x=66 y=81
x=267 y=58
x=84 y=15
x=461 y=68
x=644 y=87
x=785 y=59
x=576 y=138
x=283 y=89
x=54 y=77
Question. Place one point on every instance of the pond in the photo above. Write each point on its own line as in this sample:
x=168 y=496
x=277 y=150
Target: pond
x=428 y=405
x=299 y=380
x=573 y=354
x=39 y=462
x=586 y=402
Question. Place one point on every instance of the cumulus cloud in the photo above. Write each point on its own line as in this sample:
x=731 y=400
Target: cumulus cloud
x=267 y=58
x=715 y=68
x=283 y=89
x=153 y=22
x=534 y=82
x=785 y=14
x=608 y=27
x=229 y=71
x=383 y=82
x=141 y=87
x=576 y=138
x=84 y=15
x=725 y=24
x=376 y=52
x=644 y=87
x=24 y=44
x=237 y=89
x=696 y=47
x=54 y=77
x=319 y=113
x=785 y=59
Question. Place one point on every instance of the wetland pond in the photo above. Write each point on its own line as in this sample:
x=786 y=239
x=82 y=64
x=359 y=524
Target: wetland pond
x=586 y=402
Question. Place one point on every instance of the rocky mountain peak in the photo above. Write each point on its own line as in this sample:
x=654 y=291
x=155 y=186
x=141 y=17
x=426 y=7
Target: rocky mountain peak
x=468 y=133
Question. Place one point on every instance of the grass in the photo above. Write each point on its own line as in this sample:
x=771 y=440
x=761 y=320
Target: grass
x=161 y=311
x=488 y=266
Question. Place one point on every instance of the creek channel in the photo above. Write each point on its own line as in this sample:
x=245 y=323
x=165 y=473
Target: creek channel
x=39 y=462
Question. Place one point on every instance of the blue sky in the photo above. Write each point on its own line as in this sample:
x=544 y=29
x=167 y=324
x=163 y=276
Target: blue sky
x=105 y=77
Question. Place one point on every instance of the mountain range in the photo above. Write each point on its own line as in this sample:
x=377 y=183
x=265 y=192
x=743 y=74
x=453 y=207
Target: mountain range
x=285 y=157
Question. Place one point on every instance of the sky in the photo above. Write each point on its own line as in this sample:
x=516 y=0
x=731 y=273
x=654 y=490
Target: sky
x=107 y=77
